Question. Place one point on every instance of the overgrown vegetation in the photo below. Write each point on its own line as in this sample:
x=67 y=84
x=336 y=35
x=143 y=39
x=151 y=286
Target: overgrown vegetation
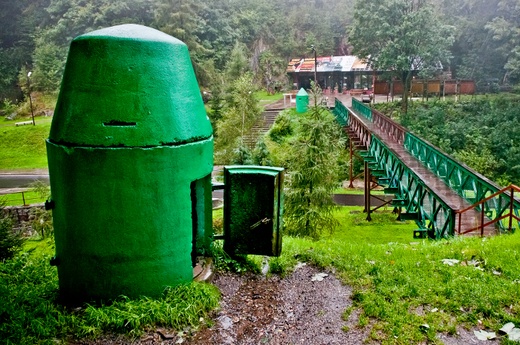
x=10 y=241
x=30 y=311
x=400 y=284
x=313 y=172
x=480 y=131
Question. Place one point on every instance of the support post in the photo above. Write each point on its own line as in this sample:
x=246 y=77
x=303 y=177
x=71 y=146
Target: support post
x=351 y=169
x=367 y=191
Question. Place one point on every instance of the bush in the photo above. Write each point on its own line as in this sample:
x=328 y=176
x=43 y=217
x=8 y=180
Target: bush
x=281 y=128
x=10 y=242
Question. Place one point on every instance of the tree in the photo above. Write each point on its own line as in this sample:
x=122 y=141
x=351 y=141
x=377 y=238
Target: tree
x=240 y=113
x=181 y=19
x=400 y=36
x=66 y=19
x=474 y=50
x=237 y=64
x=313 y=173
x=505 y=29
x=271 y=70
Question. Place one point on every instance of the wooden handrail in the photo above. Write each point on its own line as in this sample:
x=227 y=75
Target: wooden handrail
x=482 y=225
x=391 y=127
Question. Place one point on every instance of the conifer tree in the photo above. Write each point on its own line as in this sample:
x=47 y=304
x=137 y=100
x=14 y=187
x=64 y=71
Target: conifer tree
x=313 y=172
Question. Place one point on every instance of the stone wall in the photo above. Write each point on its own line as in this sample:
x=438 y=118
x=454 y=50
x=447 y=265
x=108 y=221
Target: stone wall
x=21 y=216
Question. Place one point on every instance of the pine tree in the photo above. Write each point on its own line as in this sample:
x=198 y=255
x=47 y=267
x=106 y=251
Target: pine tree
x=313 y=173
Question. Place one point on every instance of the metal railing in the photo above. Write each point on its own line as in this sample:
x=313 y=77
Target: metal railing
x=486 y=197
x=19 y=199
x=432 y=213
x=353 y=125
x=388 y=126
x=469 y=184
x=340 y=112
x=494 y=208
x=362 y=109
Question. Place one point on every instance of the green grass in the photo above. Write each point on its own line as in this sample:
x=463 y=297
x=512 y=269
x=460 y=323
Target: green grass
x=265 y=98
x=356 y=191
x=398 y=281
x=397 y=284
x=24 y=147
x=31 y=314
x=17 y=199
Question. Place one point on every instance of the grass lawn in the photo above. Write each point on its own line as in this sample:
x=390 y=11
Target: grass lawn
x=398 y=285
x=17 y=199
x=265 y=98
x=23 y=147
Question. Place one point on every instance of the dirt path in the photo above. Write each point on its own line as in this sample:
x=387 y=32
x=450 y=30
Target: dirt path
x=293 y=310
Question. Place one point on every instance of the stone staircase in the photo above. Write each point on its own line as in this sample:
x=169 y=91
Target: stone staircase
x=261 y=127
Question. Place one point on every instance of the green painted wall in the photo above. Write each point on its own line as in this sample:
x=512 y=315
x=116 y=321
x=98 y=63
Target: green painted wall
x=130 y=154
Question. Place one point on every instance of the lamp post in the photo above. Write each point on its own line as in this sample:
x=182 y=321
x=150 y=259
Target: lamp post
x=315 y=64
x=30 y=98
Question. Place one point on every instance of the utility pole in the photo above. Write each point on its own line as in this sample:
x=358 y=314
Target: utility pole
x=315 y=64
x=30 y=98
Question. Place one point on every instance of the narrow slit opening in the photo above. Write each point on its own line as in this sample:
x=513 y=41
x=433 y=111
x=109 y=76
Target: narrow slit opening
x=116 y=123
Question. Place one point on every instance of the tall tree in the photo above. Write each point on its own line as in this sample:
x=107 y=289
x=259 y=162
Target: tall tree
x=181 y=19
x=67 y=19
x=400 y=36
x=505 y=29
x=239 y=114
x=313 y=172
x=474 y=50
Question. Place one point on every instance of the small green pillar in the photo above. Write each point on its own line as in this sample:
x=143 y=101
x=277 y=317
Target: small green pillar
x=302 y=101
x=130 y=156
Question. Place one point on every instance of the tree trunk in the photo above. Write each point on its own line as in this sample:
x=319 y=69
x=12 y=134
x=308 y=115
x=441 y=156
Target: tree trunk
x=407 y=77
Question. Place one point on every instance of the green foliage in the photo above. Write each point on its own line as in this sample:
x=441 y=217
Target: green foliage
x=10 y=241
x=408 y=36
x=312 y=173
x=36 y=34
x=41 y=188
x=237 y=64
x=31 y=314
x=40 y=221
x=8 y=107
x=238 y=264
x=481 y=132
x=179 y=307
x=241 y=154
x=49 y=64
x=282 y=127
x=272 y=71
x=240 y=113
x=261 y=154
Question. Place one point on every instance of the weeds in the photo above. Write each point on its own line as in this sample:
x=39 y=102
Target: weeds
x=30 y=312
x=10 y=241
x=400 y=284
x=238 y=264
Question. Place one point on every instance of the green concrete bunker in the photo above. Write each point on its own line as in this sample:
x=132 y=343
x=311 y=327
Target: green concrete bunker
x=130 y=156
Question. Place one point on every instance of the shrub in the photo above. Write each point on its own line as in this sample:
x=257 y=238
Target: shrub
x=10 y=241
